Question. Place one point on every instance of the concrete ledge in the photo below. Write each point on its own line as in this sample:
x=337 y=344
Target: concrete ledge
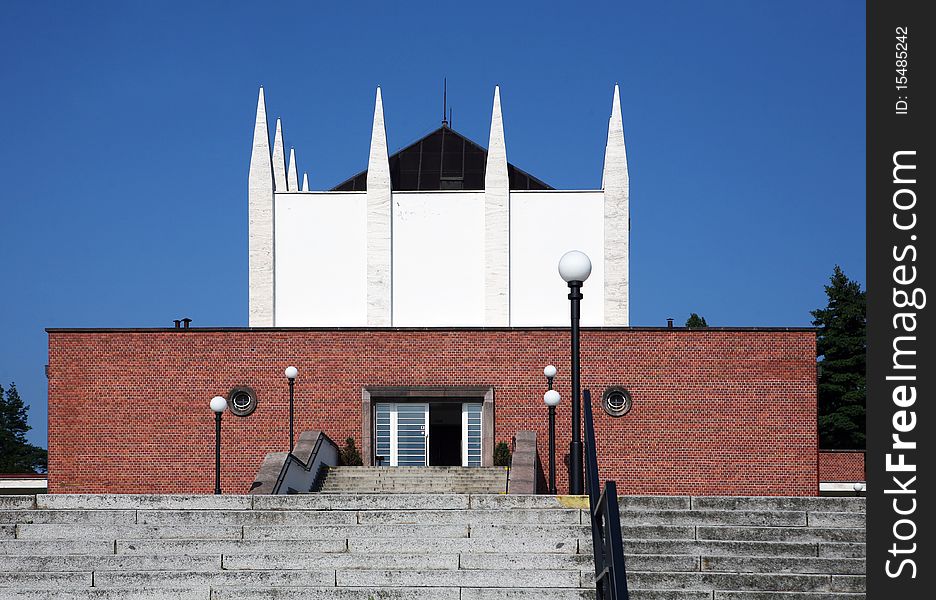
x=473 y=517
x=127 y=562
x=246 y=517
x=844 y=550
x=362 y=502
x=162 y=579
x=784 y=582
x=757 y=564
x=795 y=503
x=836 y=519
x=522 y=477
x=482 y=545
x=495 y=579
x=39 y=580
x=714 y=517
x=328 y=532
x=114 y=532
x=108 y=517
x=14 y=502
x=781 y=534
x=99 y=594
x=339 y=560
x=142 y=501
x=226 y=547
x=39 y=547
x=719 y=595
x=333 y=593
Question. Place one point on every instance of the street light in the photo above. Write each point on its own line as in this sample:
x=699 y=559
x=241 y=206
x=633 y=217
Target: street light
x=218 y=405
x=858 y=487
x=291 y=374
x=551 y=398
x=574 y=268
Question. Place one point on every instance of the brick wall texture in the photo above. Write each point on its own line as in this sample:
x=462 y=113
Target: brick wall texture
x=722 y=412
x=841 y=465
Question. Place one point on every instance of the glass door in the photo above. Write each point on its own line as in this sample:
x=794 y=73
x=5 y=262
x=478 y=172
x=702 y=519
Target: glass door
x=401 y=434
x=471 y=435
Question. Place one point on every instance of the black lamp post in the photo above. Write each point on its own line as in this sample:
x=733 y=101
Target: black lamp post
x=218 y=405
x=551 y=398
x=291 y=374
x=574 y=268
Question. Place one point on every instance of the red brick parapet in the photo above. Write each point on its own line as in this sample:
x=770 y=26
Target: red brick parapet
x=841 y=466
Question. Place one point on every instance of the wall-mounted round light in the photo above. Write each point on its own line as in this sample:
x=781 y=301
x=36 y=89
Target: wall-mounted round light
x=242 y=400
x=616 y=401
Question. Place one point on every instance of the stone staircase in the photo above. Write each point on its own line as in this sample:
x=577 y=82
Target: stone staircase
x=423 y=547
x=409 y=480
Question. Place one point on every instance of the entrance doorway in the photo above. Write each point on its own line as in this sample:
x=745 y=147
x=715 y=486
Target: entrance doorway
x=435 y=433
x=445 y=433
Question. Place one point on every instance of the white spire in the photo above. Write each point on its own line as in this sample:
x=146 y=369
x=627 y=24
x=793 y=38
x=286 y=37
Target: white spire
x=292 y=179
x=379 y=274
x=616 y=184
x=305 y=182
x=260 y=223
x=496 y=224
x=279 y=159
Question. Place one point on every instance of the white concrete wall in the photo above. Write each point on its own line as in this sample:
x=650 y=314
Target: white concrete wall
x=321 y=264
x=544 y=225
x=438 y=258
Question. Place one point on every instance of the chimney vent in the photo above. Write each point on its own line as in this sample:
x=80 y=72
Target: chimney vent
x=185 y=322
x=669 y=323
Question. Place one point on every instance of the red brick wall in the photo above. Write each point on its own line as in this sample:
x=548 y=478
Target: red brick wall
x=841 y=465
x=729 y=412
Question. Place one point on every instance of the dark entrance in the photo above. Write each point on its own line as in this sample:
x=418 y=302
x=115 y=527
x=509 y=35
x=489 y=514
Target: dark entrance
x=445 y=432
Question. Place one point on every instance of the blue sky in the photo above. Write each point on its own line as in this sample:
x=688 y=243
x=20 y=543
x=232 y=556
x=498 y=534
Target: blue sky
x=127 y=130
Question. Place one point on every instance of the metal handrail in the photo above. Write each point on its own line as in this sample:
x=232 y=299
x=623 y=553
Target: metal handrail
x=607 y=544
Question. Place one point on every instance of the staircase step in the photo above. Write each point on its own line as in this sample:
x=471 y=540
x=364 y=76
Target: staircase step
x=348 y=545
x=324 y=532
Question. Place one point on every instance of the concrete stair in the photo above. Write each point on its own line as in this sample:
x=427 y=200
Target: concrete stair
x=424 y=547
x=415 y=480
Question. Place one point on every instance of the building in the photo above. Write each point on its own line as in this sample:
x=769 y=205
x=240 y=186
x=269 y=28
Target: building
x=420 y=301
x=442 y=233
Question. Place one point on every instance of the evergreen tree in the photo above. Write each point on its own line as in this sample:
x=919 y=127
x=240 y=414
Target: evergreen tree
x=840 y=348
x=696 y=321
x=16 y=454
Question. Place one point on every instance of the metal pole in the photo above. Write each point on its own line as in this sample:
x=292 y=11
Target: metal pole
x=217 y=453
x=552 y=441
x=552 y=450
x=576 y=482
x=292 y=384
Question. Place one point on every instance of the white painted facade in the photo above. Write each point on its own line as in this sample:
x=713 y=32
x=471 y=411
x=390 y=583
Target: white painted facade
x=431 y=258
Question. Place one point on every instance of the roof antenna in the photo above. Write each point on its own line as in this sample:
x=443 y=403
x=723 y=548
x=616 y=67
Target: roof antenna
x=444 y=100
x=450 y=117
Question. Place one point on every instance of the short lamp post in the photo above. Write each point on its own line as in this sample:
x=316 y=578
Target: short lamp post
x=858 y=487
x=551 y=398
x=291 y=374
x=574 y=268
x=218 y=405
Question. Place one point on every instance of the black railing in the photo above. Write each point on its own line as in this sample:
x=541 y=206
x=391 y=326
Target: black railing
x=610 y=572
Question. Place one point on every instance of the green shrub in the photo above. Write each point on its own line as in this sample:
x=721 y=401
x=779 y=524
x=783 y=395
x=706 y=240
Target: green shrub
x=350 y=455
x=501 y=454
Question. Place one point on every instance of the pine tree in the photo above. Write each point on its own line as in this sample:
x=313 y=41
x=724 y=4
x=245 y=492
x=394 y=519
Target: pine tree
x=695 y=321
x=840 y=348
x=16 y=454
